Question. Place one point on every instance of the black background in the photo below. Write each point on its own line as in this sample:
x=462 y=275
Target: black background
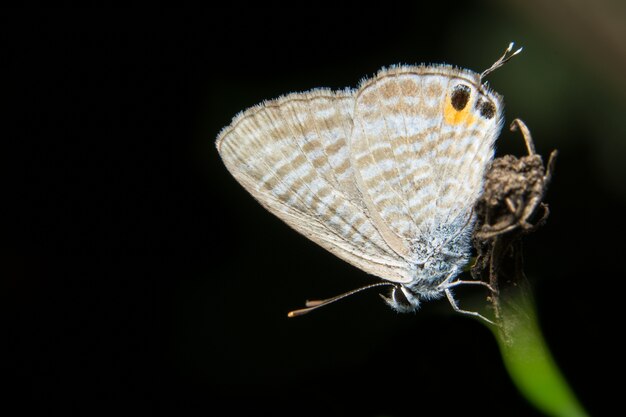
x=140 y=278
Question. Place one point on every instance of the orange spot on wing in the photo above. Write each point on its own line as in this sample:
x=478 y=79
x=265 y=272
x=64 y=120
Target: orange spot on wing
x=455 y=117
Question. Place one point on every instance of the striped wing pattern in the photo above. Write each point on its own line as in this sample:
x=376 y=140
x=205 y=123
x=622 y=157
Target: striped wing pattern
x=292 y=155
x=419 y=168
x=365 y=172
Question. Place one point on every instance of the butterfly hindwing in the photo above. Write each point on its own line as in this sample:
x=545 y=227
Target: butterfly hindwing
x=418 y=159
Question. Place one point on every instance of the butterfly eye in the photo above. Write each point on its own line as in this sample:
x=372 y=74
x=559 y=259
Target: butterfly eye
x=399 y=301
x=460 y=96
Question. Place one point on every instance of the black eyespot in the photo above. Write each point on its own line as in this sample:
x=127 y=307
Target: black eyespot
x=487 y=110
x=460 y=96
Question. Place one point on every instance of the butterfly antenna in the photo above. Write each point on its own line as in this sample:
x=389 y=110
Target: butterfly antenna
x=501 y=61
x=315 y=304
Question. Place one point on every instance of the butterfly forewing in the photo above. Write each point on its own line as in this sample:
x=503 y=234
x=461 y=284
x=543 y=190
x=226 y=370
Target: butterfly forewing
x=292 y=155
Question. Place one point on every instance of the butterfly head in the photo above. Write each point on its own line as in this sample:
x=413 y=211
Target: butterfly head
x=402 y=299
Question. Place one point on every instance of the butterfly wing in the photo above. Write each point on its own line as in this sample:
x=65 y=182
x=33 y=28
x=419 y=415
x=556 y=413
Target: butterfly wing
x=419 y=161
x=292 y=155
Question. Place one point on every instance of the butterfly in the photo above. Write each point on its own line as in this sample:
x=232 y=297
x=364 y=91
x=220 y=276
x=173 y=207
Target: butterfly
x=384 y=176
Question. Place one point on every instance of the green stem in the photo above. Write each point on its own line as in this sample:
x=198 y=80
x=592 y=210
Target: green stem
x=528 y=359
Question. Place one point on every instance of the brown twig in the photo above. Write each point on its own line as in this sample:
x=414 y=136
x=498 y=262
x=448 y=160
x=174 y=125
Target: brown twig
x=511 y=201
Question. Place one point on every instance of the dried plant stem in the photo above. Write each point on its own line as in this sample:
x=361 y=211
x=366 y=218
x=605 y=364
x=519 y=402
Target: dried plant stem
x=514 y=191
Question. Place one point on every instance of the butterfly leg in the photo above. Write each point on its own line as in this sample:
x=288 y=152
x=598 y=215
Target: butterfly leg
x=460 y=282
x=456 y=307
x=448 y=283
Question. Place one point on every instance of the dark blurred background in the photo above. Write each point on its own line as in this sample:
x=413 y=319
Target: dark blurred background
x=139 y=277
